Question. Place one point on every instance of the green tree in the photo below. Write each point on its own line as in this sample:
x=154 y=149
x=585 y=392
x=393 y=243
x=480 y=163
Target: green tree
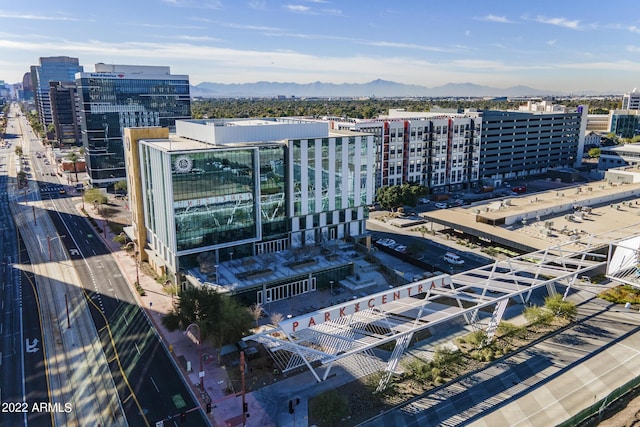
x=594 y=152
x=74 y=158
x=95 y=196
x=22 y=178
x=222 y=320
x=395 y=196
x=18 y=150
x=120 y=185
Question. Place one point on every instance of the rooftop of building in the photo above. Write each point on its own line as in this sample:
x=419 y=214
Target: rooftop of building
x=632 y=148
x=192 y=135
x=612 y=207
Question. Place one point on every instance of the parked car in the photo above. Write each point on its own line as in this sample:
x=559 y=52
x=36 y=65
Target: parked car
x=452 y=258
x=401 y=248
x=442 y=205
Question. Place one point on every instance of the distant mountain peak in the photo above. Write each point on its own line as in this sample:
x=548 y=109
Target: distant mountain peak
x=378 y=87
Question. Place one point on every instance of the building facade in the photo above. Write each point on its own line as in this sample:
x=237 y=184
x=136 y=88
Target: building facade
x=118 y=96
x=230 y=189
x=625 y=123
x=65 y=110
x=521 y=144
x=619 y=156
x=51 y=69
x=631 y=100
x=448 y=151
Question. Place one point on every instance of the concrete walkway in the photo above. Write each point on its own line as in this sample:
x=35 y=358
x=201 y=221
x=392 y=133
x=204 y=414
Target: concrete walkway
x=226 y=408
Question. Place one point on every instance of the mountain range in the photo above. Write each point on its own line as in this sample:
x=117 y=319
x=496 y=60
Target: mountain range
x=376 y=88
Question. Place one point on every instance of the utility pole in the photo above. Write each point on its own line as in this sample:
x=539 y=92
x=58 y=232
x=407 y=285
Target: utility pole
x=244 y=404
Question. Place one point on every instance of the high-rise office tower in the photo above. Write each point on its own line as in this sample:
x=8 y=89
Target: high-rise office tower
x=118 y=96
x=53 y=68
x=65 y=111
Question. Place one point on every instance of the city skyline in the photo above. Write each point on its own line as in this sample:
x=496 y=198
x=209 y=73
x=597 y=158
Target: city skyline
x=559 y=46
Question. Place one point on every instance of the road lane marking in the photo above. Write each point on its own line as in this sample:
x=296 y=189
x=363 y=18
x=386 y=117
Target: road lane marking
x=154 y=384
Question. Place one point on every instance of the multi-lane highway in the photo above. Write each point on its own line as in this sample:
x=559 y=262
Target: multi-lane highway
x=23 y=380
x=96 y=331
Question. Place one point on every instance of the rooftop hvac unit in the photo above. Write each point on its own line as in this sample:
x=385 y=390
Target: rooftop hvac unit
x=476 y=211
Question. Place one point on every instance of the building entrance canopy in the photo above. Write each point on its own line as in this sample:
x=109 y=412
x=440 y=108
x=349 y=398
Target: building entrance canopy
x=325 y=336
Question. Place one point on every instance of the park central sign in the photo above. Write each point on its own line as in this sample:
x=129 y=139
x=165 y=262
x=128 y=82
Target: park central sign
x=379 y=299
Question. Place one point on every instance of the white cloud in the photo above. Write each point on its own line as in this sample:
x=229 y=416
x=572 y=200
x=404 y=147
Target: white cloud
x=27 y=16
x=551 y=42
x=298 y=8
x=258 y=4
x=195 y=4
x=560 y=22
x=495 y=18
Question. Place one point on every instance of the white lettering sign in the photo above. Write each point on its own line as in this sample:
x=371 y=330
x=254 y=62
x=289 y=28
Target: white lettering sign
x=375 y=300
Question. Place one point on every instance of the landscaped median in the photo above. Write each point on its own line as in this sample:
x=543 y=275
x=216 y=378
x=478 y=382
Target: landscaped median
x=357 y=401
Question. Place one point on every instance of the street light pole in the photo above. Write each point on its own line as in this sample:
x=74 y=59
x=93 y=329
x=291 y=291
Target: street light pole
x=331 y=283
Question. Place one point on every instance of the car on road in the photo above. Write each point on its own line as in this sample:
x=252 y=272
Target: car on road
x=62 y=191
x=442 y=205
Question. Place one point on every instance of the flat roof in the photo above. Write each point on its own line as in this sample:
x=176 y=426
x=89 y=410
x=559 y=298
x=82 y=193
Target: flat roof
x=536 y=233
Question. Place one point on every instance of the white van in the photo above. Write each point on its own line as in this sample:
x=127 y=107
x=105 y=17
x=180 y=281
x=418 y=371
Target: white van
x=452 y=258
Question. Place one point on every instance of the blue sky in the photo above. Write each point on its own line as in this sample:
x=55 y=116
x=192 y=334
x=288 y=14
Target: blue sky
x=564 y=45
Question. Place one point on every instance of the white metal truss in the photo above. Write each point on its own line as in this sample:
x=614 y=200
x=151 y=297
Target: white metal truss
x=321 y=338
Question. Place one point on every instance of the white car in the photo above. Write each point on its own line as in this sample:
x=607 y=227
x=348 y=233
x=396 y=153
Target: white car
x=441 y=205
x=452 y=258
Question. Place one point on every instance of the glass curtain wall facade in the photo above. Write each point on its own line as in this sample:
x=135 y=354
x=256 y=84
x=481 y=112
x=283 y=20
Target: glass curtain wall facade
x=214 y=199
x=110 y=102
x=54 y=68
x=332 y=180
x=64 y=108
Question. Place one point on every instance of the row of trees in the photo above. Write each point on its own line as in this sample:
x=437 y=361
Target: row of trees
x=362 y=109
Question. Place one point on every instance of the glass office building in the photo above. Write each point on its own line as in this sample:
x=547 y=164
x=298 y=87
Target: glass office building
x=119 y=96
x=51 y=69
x=236 y=188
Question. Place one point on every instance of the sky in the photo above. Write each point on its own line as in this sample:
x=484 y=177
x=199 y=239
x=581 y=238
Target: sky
x=561 y=45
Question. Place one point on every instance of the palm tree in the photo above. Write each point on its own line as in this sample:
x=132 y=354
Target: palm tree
x=74 y=158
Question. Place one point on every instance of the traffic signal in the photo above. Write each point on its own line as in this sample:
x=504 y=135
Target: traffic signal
x=183 y=417
x=245 y=407
x=208 y=407
x=291 y=406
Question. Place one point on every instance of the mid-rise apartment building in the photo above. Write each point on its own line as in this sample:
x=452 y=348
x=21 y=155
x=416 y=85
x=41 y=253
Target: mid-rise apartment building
x=448 y=151
x=118 y=96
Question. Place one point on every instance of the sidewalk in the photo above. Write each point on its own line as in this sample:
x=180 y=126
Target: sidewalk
x=226 y=408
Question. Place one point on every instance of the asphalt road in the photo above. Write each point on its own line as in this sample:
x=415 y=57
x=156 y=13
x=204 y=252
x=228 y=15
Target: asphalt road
x=23 y=382
x=149 y=385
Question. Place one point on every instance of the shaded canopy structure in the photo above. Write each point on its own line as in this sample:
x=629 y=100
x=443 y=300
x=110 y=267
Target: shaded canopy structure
x=354 y=329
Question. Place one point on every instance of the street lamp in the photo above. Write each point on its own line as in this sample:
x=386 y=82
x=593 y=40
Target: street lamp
x=331 y=283
x=196 y=340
